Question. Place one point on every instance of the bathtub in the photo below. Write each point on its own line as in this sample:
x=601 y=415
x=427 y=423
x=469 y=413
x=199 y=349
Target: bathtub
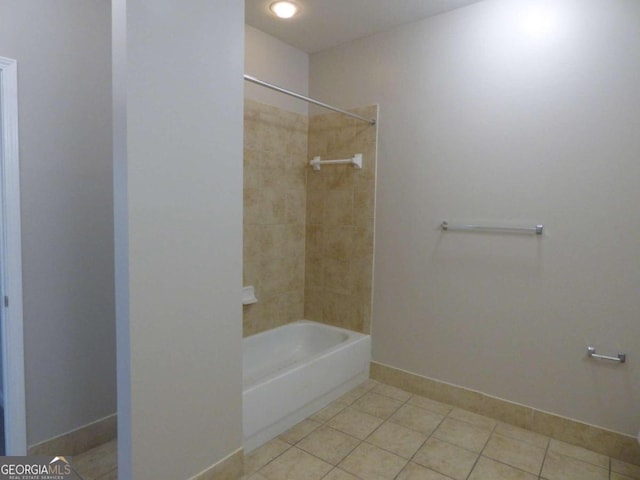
x=293 y=371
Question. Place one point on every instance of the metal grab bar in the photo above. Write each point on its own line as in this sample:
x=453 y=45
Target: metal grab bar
x=446 y=226
x=622 y=357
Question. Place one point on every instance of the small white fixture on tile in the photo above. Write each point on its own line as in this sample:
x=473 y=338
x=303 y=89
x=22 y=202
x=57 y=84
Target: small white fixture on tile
x=356 y=161
x=248 y=295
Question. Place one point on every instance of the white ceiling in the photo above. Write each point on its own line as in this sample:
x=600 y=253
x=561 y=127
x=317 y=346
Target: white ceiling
x=326 y=23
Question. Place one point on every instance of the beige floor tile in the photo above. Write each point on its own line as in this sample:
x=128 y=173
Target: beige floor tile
x=559 y=467
x=579 y=453
x=522 y=435
x=295 y=464
x=230 y=468
x=392 y=392
x=618 y=476
x=355 y=423
x=463 y=434
x=253 y=476
x=431 y=405
x=515 y=453
x=112 y=475
x=625 y=468
x=107 y=449
x=417 y=419
x=329 y=445
x=413 y=471
x=98 y=461
x=335 y=435
x=328 y=412
x=445 y=458
x=369 y=383
x=337 y=474
x=368 y=462
x=473 y=418
x=264 y=454
x=487 y=469
x=397 y=439
x=377 y=405
x=299 y=431
x=353 y=395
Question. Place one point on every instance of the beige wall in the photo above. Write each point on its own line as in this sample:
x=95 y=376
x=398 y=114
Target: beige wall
x=274 y=61
x=178 y=184
x=486 y=116
x=66 y=181
x=339 y=223
x=275 y=151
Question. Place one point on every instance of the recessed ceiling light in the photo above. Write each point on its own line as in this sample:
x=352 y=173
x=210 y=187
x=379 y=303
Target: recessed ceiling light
x=284 y=9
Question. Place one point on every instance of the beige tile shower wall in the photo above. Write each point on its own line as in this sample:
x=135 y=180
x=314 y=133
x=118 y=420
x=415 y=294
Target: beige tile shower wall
x=340 y=221
x=275 y=151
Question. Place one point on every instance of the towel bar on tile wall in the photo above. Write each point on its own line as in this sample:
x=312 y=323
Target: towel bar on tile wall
x=622 y=357
x=356 y=161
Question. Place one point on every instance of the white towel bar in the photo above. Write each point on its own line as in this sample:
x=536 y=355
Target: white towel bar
x=356 y=161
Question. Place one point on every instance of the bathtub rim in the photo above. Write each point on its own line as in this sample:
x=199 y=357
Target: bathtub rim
x=352 y=337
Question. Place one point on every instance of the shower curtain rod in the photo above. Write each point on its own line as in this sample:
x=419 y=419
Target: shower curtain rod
x=251 y=79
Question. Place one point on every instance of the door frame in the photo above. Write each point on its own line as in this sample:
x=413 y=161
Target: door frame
x=11 y=264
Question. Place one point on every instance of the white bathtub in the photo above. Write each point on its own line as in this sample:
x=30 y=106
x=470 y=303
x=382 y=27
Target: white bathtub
x=293 y=371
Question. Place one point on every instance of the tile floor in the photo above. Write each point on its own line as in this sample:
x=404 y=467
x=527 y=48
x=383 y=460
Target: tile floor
x=378 y=432
x=100 y=463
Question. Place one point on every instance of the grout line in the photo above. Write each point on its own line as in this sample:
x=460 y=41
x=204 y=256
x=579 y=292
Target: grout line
x=428 y=437
x=289 y=447
x=334 y=415
x=580 y=460
x=320 y=424
x=483 y=449
x=421 y=445
x=510 y=466
x=528 y=442
x=544 y=458
x=513 y=466
x=336 y=468
x=350 y=451
x=402 y=404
